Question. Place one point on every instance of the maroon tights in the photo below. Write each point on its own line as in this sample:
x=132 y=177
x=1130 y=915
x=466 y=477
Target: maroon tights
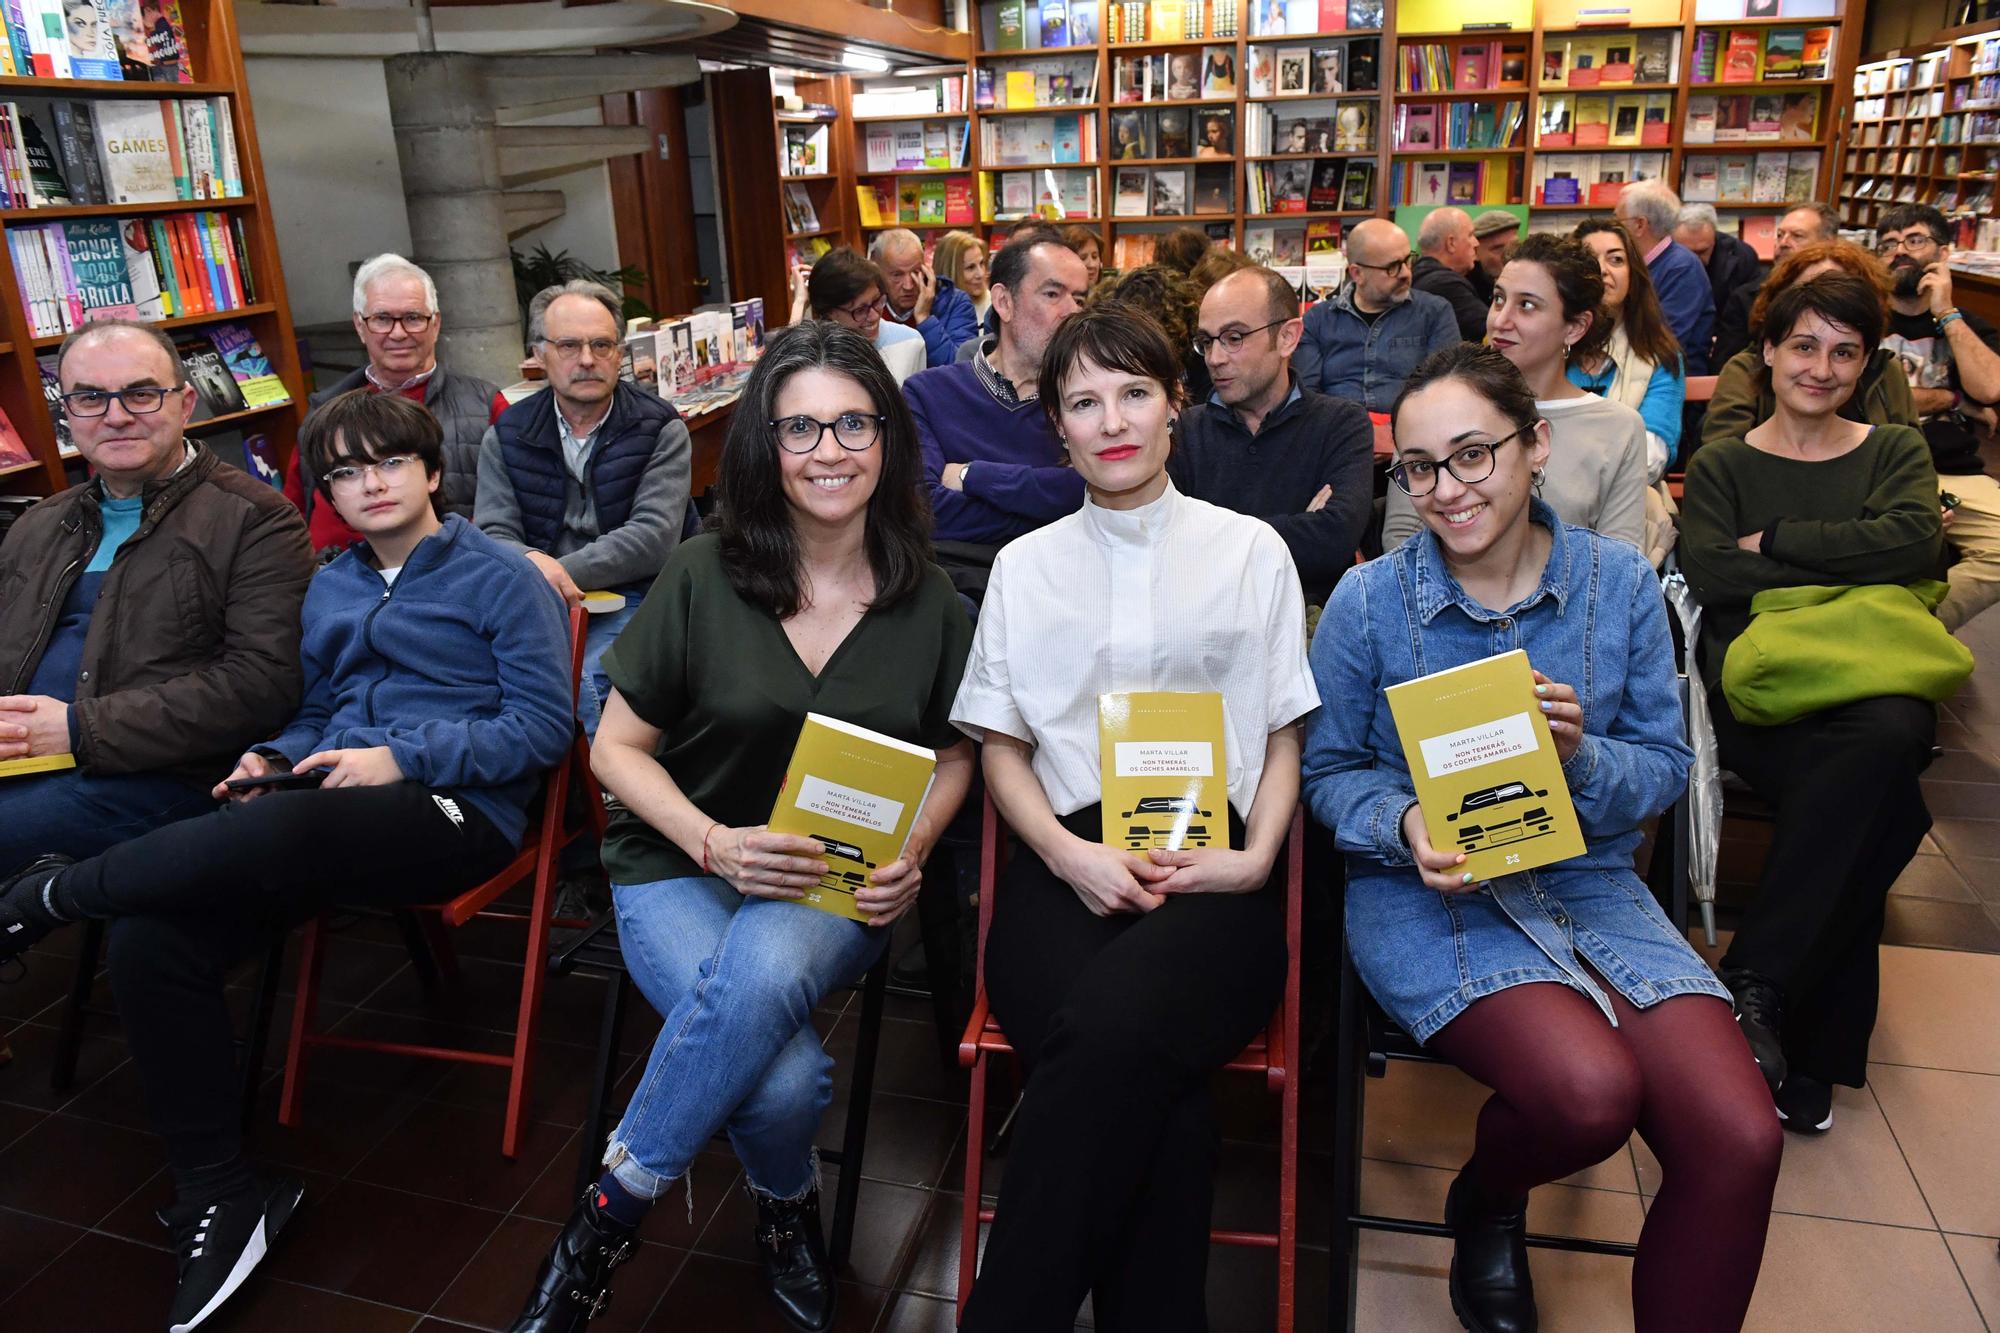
x=1569 y=1089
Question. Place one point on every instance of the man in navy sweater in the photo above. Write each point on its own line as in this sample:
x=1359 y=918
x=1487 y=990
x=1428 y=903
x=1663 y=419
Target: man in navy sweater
x=1265 y=446
x=991 y=459
x=1650 y=209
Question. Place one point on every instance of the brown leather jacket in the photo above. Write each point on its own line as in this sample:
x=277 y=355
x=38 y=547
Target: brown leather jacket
x=193 y=650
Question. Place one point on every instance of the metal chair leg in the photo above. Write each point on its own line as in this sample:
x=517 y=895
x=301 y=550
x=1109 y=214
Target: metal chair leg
x=69 y=1041
x=847 y=1198
x=1344 y=1249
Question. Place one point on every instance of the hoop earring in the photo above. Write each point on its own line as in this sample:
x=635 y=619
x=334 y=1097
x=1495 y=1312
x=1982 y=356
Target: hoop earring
x=1535 y=479
x=1567 y=349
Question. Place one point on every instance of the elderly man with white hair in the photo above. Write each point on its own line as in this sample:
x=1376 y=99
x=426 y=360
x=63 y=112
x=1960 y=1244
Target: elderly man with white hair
x=916 y=297
x=1446 y=253
x=1650 y=210
x=1729 y=262
x=397 y=318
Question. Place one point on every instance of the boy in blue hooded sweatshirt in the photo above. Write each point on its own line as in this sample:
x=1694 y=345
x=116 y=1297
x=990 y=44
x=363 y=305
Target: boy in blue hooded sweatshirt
x=437 y=694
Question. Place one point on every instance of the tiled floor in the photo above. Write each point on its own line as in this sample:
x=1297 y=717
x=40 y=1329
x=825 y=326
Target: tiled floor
x=414 y=1221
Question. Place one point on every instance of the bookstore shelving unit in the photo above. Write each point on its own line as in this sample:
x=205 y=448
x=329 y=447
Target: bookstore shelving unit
x=1927 y=130
x=819 y=201
x=216 y=63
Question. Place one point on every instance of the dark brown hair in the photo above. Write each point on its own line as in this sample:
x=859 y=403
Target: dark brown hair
x=1578 y=279
x=1182 y=248
x=1838 y=298
x=1219 y=263
x=362 y=426
x=1165 y=294
x=1115 y=336
x=1849 y=256
x=838 y=276
x=1644 y=322
x=1484 y=370
x=760 y=544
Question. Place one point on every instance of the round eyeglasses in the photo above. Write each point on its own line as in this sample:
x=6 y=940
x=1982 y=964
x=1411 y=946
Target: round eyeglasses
x=852 y=431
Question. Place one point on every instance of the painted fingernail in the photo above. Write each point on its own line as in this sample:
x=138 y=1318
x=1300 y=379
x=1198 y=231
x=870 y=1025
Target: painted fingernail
x=1466 y=878
x=1547 y=707
x=1541 y=689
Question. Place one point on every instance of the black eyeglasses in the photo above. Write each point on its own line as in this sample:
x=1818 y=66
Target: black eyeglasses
x=1232 y=341
x=410 y=321
x=852 y=431
x=140 y=400
x=1393 y=266
x=1470 y=465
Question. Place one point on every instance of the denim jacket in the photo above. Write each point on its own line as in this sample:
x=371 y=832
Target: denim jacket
x=1344 y=355
x=1597 y=622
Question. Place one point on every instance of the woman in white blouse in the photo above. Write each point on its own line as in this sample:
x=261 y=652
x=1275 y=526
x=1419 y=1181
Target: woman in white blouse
x=1126 y=982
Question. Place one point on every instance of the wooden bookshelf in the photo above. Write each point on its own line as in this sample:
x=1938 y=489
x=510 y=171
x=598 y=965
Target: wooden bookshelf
x=1922 y=133
x=216 y=60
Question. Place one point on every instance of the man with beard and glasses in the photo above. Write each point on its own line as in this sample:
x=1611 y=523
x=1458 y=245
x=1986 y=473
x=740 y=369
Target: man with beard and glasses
x=1361 y=343
x=1952 y=358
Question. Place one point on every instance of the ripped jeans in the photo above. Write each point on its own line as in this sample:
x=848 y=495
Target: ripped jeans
x=736 y=979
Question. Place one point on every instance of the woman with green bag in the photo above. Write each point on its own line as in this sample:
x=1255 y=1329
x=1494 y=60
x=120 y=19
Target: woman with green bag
x=1797 y=538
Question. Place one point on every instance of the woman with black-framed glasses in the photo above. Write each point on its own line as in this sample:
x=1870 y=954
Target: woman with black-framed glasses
x=1564 y=989
x=816 y=593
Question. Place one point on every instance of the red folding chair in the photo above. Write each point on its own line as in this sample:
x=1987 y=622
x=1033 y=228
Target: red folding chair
x=1270 y=1055
x=545 y=840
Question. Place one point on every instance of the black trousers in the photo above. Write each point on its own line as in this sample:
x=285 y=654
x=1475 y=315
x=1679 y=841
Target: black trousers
x=188 y=901
x=1122 y=1021
x=1850 y=815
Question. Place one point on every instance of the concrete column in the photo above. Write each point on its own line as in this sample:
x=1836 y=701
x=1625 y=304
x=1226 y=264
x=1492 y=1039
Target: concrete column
x=443 y=120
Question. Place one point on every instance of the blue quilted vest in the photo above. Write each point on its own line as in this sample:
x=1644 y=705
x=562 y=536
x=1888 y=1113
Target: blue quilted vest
x=531 y=445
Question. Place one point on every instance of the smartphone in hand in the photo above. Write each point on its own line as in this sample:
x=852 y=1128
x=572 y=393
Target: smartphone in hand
x=280 y=780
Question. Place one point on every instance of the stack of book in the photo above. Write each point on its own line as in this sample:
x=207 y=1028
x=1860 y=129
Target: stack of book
x=1309 y=127
x=1023 y=141
x=1436 y=67
x=1761 y=55
x=161 y=266
x=931 y=201
x=917 y=145
x=1347 y=66
x=1464 y=183
x=1767 y=178
x=1780 y=117
x=1582 y=60
x=1325 y=185
x=1591 y=178
x=1430 y=127
x=1006 y=196
x=138 y=151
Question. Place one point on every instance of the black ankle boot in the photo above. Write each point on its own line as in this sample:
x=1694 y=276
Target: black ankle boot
x=1760 y=1012
x=25 y=919
x=1491 y=1291
x=796 y=1268
x=574 y=1283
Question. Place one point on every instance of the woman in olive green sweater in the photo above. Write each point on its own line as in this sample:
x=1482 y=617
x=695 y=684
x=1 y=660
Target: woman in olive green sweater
x=1743 y=395
x=1810 y=497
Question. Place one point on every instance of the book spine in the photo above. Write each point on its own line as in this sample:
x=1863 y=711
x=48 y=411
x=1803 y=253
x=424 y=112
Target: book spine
x=17 y=143
x=159 y=250
x=210 y=295
x=219 y=237
x=183 y=274
x=70 y=147
x=232 y=160
x=24 y=280
x=72 y=290
x=170 y=118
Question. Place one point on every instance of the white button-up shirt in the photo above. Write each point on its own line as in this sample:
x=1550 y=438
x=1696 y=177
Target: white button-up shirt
x=1175 y=595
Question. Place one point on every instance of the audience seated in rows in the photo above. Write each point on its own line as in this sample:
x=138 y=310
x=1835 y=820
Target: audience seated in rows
x=1809 y=497
x=992 y=462
x=1493 y=235
x=1649 y=210
x=1360 y=343
x=397 y=318
x=436 y=695
x=1744 y=395
x=1566 y=991
x=816 y=593
x=1264 y=446
x=1446 y=252
x=937 y=310
x=1641 y=365
x=1546 y=313
x=960 y=258
x=1952 y=360
x=1799 y=225
x=843 y=287
x=1729 y=262
x=1125 y=982
x=588 y=477
x=149 y=617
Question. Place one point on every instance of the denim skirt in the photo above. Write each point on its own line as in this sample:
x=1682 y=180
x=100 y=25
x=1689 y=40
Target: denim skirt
x=1426 y=955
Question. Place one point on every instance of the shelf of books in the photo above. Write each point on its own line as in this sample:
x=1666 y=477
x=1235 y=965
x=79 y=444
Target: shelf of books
x=913 y=156
x=130 y=186
x=1927 y=130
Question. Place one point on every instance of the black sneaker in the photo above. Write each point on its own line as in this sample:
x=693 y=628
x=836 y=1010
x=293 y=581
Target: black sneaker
x=25 y=915
x=220 y=1243
x=1805 y=1105
x=1760 y=1012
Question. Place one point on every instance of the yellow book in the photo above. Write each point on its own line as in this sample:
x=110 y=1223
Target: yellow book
x=1164 y=770
x=601 y=603
x=41 y=763
x=1485 y=766
x=1020 y=89
x=871 y=216
x=857 y=792
x=1168 y=20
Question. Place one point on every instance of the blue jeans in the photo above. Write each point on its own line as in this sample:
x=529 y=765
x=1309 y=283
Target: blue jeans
x=595 y=689
x=79 y=814
x=736 y=979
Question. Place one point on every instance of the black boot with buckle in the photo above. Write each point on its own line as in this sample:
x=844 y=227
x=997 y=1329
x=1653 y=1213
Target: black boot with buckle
x=574 y=1283
x=1491 y=1291
x=796 y=1268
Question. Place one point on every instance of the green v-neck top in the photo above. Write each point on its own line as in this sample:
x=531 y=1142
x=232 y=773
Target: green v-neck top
x=728 y=692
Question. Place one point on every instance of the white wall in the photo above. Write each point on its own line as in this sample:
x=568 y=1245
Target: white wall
x=330 y=165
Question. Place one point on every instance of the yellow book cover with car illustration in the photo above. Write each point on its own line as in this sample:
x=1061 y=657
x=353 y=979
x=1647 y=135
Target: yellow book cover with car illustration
x=857 y=792
x=1485 y=766
x=1165 y=781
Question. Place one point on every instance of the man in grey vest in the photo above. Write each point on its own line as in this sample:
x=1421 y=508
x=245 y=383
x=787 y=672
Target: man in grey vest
x=396 y=315
x=588 y=477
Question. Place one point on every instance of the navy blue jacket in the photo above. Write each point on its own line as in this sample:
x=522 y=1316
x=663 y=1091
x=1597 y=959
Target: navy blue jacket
x=461 y=668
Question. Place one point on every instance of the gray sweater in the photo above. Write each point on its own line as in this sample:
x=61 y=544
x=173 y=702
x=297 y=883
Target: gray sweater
x=1596 y=476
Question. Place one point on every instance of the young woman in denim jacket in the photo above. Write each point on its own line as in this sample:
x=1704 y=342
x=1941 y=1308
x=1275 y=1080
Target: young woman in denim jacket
x=1565 y=989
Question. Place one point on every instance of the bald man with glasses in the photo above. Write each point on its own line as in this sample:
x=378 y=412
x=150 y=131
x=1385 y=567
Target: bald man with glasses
x=1363 y=342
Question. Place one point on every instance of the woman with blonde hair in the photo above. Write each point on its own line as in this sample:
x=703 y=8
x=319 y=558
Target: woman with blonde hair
x=961 y=256
x=1743 y=394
